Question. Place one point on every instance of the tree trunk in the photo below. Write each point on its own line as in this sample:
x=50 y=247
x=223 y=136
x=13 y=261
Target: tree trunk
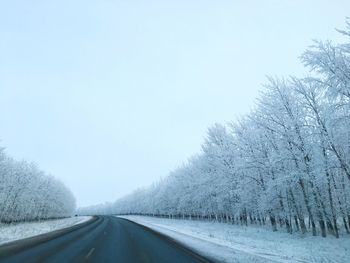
x=273 y=223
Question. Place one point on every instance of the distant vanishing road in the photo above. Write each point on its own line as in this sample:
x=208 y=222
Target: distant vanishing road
x=104 y=239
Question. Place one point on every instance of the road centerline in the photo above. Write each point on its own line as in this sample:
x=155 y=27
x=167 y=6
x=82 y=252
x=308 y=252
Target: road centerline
x=90 y=253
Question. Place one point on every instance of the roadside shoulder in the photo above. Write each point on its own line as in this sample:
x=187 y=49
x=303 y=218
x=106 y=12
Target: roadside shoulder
x=213 y=251
x=38 y=232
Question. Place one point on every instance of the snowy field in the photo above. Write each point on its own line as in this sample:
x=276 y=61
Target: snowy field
x=230 y=243
x=12 y=232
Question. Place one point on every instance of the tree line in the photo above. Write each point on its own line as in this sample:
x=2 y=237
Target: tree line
x=287 y=163
x=27 y=193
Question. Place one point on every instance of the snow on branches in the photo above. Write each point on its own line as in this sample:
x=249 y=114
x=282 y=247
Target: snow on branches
x=27 y=193
x=287 y=163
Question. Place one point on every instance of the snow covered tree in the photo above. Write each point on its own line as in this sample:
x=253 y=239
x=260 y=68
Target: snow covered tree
x=287 y=163
x=27 y=193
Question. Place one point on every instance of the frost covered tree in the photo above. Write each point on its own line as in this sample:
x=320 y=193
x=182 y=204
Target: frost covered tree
x=286 y=164
x=27 y=193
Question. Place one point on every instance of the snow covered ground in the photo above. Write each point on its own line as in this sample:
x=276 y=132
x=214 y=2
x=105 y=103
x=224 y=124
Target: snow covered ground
x=12 y=232
x=231 y=243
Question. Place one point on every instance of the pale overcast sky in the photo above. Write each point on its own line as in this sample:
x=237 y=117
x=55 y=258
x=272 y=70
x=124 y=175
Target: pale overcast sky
x=111 y=95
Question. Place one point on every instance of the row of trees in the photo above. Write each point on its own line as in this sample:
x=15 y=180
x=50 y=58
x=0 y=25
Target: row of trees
x=27 y=193
x=287 y=163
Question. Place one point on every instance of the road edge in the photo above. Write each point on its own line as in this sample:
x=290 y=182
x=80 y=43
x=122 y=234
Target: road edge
x=12 y=247
x=180 y=245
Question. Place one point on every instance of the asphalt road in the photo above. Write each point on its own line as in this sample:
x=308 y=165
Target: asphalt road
x=104 y=239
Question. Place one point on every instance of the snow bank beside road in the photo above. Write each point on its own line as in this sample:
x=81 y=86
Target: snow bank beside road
x=231 y=243
x=12 y=232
